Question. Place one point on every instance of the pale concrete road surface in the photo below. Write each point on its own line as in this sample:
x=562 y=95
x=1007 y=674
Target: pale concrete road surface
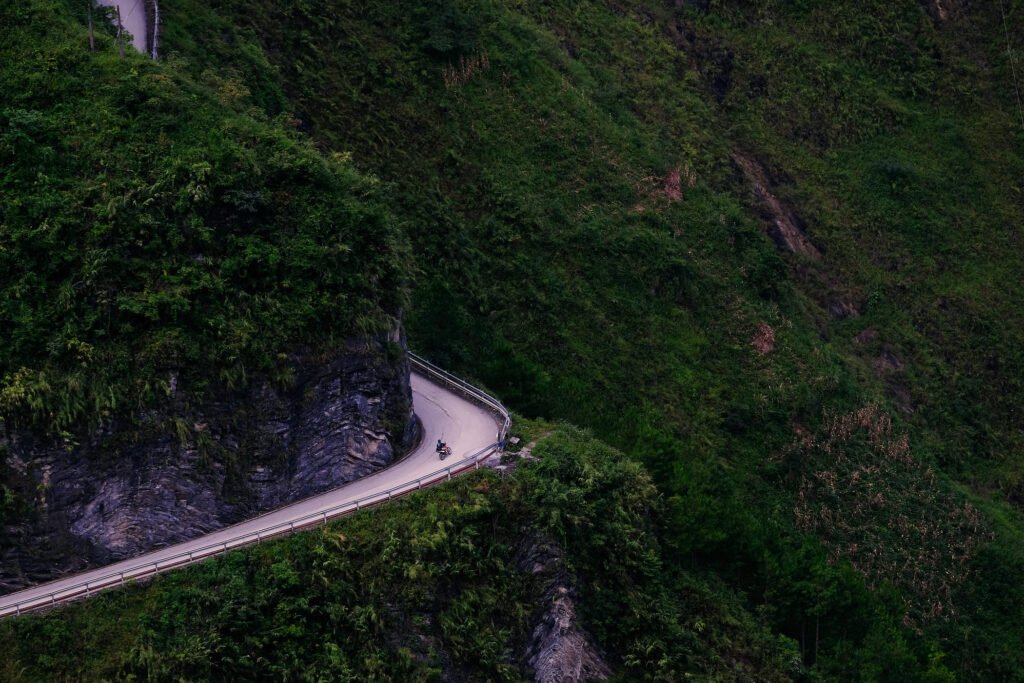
x=465 y=426
x=133 y=18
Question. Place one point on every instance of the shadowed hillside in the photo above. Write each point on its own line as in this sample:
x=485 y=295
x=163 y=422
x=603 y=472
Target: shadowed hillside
x=771 y=251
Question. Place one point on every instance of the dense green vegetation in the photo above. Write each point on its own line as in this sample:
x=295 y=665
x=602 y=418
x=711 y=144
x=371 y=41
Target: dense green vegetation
x=447 y=588
x=836 y=440
x=159 y=226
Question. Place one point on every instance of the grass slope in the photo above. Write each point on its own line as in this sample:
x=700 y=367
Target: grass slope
x=837 y=440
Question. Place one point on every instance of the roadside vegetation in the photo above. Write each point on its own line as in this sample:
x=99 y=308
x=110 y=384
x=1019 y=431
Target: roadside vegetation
x=442 y=584
x=834 y=432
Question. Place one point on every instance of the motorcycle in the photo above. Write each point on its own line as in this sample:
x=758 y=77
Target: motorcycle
x=444 y=451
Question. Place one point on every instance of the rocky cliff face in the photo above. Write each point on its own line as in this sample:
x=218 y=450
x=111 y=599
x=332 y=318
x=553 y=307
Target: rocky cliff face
x=179 y=472
x=559 y=650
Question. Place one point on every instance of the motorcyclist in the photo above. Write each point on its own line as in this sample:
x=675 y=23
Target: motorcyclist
x=440 y=446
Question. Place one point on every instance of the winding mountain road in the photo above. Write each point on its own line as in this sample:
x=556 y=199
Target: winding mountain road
x=133 y=18
x=439 y=400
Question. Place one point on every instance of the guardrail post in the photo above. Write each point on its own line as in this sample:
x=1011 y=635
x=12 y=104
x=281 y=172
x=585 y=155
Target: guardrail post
x=122 y=578
x=449 y=474
x=325 y=517
x=419 y=484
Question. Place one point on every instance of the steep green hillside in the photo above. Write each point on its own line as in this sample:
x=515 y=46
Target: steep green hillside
x=595 y=194
x=576 y=179
x=159 y=228
x=446 y=585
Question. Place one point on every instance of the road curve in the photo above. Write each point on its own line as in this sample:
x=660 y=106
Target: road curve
x=133 y=18
x=443 y=413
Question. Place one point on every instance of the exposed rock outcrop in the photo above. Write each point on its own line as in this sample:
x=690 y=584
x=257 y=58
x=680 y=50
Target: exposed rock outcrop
x=182 y=471
x=942 y=11
x=842 y=309
x=784 y=226
x=559 y=651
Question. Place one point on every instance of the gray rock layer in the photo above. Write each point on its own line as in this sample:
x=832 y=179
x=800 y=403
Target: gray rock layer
x=559 y=650
x=177 y=473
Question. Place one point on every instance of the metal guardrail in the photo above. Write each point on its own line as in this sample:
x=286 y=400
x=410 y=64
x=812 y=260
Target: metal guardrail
x=147 y=569
x=428 y=368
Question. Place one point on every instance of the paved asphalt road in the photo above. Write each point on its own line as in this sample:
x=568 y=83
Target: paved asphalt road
x=133 y=18
x=443 y=414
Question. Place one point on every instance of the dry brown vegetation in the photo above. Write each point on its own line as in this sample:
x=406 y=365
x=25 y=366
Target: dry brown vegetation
x=872 y=503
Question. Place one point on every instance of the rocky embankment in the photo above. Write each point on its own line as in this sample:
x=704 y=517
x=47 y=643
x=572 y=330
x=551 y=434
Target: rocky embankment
x=177 y=473
x=559 y=650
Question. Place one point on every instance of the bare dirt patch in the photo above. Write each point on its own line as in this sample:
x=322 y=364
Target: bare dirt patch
x=763 y=340
x=785 y=227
